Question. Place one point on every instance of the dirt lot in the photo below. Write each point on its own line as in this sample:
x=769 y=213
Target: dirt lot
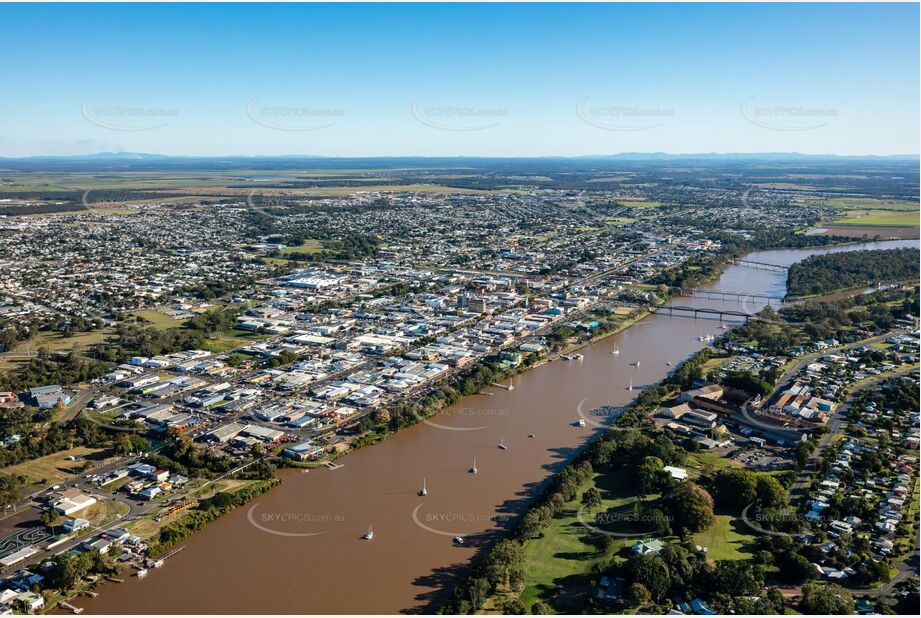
x=56 y=468
x=885 y=232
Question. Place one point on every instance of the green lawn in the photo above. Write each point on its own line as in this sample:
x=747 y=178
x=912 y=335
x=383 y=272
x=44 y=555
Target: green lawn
x=308 y=246
x=558 y=565
x=639 y=203
x=727 y=539
x=223 y=342
x=158 y=319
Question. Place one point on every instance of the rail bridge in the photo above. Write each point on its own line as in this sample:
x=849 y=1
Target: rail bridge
x=762 y=265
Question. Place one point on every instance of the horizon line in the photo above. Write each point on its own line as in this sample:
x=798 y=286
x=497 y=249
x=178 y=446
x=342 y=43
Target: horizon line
x=129 y=154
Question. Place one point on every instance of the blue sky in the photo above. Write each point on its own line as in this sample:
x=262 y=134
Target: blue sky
x=443 y=80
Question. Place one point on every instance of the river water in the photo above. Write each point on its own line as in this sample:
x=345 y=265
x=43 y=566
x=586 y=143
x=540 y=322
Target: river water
x=298 y=549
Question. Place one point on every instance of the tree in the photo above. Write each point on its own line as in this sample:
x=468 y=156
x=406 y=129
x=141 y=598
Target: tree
x=649 y=474
x=689 y=507
x=591 y=499
x=735 y=488
x=826 y=599
x=540 y=608
x=794 y=568
x=651 y=572
x=736 y=578
x=771 y=494
x=638 y=595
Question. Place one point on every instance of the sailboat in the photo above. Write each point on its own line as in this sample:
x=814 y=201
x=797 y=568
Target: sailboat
x=502 y=443
x=369 y=534
x=423 y=491
x=473 y=470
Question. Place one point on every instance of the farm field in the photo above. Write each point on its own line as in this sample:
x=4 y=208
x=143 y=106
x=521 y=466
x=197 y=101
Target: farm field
x=879 y=218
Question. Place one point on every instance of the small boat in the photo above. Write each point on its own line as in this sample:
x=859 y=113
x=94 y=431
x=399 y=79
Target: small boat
x=369 y=535
x=459 y=540
x=615 y=351
x=502 y=443
x=423 y=491
x=158 y=563
x=630 y=388
x=581 y=422
x=473 y=470
x=141 y=574
x=635 y=363
x=530 y=435
x=669 y=363
x=724 y=326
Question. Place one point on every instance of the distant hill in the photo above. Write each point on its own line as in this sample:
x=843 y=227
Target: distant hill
x=128 y=161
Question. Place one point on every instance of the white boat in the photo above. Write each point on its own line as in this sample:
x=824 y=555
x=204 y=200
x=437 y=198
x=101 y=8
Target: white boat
x=459 y=540
x=581 y=422
x=630 y=388
x=423 y=491
x=615 y=351
x=724 y=326
x=669 y=363
x=158 y=563
x=369 y=534
x=530 y=435
x=141 y=574
x=635 y=363
x=502 y=443
x=473 y=470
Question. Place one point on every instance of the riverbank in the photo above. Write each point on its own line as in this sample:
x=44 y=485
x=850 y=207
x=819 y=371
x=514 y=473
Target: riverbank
x=321 y=514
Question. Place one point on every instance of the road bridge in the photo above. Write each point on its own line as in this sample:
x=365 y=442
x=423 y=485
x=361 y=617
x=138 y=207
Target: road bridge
x=695 y=311
x=725 y=295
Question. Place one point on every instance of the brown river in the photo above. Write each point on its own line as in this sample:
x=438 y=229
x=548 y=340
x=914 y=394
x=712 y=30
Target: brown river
x=299 y=548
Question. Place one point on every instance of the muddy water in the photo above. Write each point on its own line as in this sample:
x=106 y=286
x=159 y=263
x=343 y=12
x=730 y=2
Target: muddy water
x=298 y=549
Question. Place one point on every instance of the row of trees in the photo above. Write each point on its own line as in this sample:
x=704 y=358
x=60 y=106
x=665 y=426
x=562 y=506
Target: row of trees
x=205 y=512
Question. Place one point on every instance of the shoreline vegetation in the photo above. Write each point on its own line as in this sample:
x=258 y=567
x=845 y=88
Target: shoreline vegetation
x=848 y=270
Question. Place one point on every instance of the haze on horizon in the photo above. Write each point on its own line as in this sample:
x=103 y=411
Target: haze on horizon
x=459 y=80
